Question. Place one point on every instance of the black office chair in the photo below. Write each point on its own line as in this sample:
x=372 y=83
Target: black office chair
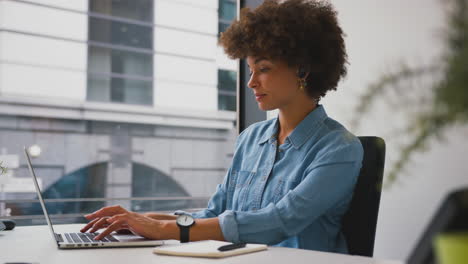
x=360 y=222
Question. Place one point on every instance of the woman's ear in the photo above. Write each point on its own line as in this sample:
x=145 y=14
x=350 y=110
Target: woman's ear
x=302 y=73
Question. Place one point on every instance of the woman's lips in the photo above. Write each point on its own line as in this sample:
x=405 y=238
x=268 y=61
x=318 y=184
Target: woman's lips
x=259 y=96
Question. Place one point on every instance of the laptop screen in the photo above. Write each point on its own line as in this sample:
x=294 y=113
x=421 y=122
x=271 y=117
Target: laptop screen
x=38 y=191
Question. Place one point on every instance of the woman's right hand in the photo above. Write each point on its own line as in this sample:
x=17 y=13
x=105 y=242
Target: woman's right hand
x=100 y=223
x=114 y=218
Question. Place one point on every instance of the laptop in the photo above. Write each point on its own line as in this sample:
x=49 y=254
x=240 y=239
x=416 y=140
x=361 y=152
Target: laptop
x=85 y=240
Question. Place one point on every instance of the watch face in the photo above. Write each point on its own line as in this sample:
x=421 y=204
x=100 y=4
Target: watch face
x=185 y=220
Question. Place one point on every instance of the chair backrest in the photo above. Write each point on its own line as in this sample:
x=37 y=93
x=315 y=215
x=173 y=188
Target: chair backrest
x=360 y=222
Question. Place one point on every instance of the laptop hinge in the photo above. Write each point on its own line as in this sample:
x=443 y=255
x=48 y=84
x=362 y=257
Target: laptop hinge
x=59 y=238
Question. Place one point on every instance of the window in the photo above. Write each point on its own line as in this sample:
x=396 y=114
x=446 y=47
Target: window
x=169 y=154
x=227 y=90
x=106 y=60
x=120 y=33
x=226 y=13
x=226 y=79
x=134 y=9
x=120 y=54
x=118 y=89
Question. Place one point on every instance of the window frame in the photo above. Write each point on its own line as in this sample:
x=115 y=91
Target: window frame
x=125 y=48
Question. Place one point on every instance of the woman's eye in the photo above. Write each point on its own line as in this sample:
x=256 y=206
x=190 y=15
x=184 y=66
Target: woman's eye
x=262 y=70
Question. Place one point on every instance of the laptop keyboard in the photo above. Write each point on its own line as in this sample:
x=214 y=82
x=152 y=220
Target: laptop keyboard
x=87 y=238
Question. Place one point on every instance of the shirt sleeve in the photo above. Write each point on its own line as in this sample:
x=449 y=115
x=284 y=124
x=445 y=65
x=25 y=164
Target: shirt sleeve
x=327 y=183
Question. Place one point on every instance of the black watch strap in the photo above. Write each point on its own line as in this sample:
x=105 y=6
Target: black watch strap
x=184 y=234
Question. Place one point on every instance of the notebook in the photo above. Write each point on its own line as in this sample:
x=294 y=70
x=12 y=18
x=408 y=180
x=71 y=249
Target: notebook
x=86 y=240
x=207 y=249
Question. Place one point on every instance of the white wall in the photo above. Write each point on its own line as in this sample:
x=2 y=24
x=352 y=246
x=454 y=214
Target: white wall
x=185 y=96
x=186 y=16
x=78 y=5
x=184 y=43
x=185 y=63
x=43 y=66
x=381 y=35
x=47 y=52
x=223 y=61
x=196 y=3
x=179 y=69
x=37 y=82
x=42 y=20
x=185 y=40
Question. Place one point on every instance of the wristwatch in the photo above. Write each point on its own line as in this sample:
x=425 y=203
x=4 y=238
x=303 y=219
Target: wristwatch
x=184 y=221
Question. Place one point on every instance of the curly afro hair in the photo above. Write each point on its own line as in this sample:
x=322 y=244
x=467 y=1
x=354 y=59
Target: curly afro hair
x=303 y=33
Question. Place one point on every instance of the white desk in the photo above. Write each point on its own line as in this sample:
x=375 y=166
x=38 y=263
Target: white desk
x=35 y=244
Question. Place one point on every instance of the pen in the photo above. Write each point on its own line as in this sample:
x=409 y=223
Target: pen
x=231 y=246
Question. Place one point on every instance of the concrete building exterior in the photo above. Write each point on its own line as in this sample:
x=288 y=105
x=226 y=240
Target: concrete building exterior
x=132 y=98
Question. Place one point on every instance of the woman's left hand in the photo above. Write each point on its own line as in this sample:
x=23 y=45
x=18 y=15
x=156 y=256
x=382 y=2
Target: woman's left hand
x=116 y=218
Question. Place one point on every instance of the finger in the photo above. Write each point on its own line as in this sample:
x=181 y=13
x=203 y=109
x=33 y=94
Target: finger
x=101 y=223
x=106 y=211
x=89 y=225
x=114 y=226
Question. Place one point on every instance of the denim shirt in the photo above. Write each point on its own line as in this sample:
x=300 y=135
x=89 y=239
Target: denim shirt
x=292 y=195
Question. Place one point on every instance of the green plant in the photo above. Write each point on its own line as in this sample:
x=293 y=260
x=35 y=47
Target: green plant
x=2 y=169
x=438 y=106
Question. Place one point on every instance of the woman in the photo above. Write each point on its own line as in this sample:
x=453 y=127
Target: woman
x=292 y=177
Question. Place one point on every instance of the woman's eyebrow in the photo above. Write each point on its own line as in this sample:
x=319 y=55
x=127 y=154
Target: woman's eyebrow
x=259 y=60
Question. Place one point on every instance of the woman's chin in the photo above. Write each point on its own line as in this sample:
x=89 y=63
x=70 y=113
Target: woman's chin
x=265 y=107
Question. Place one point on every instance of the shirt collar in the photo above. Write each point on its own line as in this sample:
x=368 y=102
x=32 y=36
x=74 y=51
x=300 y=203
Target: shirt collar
x=302 y=132
x=270 y=132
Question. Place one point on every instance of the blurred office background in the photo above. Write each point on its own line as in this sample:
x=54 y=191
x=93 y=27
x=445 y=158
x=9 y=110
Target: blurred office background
x=381 y=37
x=134 y=100
x=123 y=99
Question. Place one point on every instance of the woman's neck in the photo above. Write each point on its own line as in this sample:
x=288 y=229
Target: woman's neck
x=290 y=118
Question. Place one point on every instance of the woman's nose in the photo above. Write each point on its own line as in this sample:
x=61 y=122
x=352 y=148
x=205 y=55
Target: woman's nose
x=252 y=81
